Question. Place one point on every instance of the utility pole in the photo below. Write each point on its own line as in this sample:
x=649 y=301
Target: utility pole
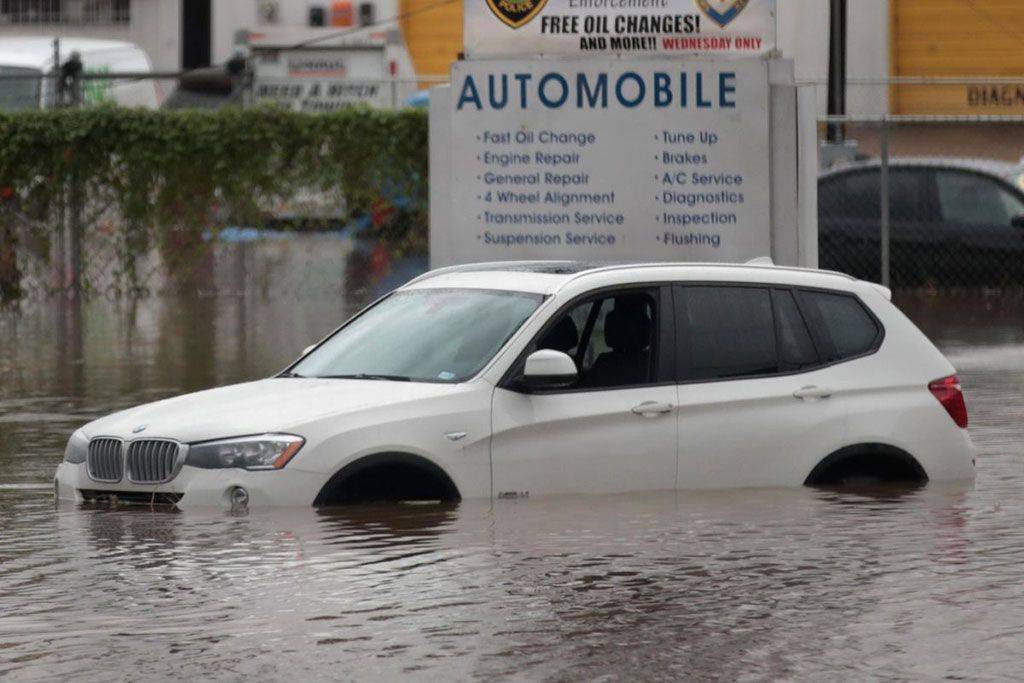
x=837 y=69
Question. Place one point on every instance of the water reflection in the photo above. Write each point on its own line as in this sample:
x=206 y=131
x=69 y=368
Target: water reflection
x=802 y=584
x=788 y=583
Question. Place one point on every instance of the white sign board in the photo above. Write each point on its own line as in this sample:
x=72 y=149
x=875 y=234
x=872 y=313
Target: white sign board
x=508 y=28
x=653 y=159
x=321 y=79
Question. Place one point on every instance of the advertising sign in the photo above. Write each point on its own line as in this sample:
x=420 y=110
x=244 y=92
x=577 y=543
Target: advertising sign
x=321 y=79
x=653 y=159
x=509 y=28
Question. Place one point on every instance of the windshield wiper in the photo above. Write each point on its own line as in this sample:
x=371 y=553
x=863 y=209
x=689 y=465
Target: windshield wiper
x=368 y=375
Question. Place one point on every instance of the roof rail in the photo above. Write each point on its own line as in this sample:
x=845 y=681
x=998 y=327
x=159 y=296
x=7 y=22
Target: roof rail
x=761 y=261
x=712 y=264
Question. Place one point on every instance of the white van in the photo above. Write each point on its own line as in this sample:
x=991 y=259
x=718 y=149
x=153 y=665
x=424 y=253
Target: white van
x=26 y=56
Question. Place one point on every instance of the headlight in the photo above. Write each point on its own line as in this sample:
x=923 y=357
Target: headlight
x=266 y=452
x=77 y=449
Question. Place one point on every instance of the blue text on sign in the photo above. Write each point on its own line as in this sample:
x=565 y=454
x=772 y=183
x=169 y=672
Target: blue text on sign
x=629 y=89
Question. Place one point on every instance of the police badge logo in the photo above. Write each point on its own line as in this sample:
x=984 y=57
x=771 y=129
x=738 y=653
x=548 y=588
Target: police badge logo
x=516 y=13
x=721 y=12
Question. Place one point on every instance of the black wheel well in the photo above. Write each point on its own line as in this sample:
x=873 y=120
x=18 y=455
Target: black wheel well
x=392 y=476
x=884 y=462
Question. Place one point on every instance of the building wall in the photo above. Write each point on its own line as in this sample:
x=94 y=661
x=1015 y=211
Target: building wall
x=232 y=16
x=433 y=35
x=803 y=35
x=957 y=38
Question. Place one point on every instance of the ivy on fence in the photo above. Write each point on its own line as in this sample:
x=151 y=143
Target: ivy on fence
x=160 y=180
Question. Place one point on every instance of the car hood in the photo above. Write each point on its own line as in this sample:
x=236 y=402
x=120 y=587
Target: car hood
x=269 y=405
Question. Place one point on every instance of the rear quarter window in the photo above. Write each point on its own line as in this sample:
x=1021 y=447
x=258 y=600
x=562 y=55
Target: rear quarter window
x=845 y=327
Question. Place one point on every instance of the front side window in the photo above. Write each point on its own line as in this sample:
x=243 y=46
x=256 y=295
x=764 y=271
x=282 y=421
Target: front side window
x=433 y=335
x=973 y=199
x=611 y=338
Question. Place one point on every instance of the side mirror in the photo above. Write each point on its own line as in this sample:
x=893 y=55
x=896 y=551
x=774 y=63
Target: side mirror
x=549 y=369
x=1017 y=221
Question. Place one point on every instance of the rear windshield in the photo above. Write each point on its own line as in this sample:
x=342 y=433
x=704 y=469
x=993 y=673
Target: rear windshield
x=19 y=94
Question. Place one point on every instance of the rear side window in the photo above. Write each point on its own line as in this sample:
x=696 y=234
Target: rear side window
x=796 y=348
x=725 y=332
x=730 y=332
x=845 y=327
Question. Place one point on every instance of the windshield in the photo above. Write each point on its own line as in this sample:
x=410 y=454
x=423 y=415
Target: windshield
x=17 y=94
x=434 y=335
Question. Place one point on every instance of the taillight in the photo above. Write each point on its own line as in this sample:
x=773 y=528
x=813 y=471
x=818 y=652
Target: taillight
x=951 y=396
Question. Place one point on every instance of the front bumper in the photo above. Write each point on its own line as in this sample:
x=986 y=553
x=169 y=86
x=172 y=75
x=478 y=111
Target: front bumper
x=203 y=488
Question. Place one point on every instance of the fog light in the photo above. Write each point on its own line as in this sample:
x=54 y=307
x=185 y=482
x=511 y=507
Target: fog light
x=239 y=497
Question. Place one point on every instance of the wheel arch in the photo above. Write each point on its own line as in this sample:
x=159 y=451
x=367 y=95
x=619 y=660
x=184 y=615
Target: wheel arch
x=863 y=454
x=397 y=459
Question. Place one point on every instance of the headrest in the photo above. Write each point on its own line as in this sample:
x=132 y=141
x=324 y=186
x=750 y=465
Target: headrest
x=562 y=337
x=627 y=329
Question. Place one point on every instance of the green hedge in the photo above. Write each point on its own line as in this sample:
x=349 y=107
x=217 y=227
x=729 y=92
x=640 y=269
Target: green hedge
x=169 y=175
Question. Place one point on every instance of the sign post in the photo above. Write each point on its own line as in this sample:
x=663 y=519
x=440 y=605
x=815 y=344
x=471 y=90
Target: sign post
x=665 y=140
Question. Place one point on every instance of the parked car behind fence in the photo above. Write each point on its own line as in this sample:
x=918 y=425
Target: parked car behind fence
x=953 y=222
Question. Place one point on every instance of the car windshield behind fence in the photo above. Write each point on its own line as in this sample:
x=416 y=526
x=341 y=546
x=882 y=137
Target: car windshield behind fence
x=436 y=335
x=19 y=94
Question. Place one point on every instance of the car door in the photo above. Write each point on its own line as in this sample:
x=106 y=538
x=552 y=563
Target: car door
x=980 y=214
x=614 y=429
x=756 y=406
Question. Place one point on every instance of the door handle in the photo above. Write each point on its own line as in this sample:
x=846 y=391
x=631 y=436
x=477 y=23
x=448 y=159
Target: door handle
x=812 y=393
x=652 y=409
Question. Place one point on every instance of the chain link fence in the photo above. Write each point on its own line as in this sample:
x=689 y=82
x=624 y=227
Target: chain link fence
x=917 y=202
x=927 y=201
x=76 y=240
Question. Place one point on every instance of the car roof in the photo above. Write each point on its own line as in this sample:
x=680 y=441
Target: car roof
x=992 y=167
x=37 y=51
x=548 y=277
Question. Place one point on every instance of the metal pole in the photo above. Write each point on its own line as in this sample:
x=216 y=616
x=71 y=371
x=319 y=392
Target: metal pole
x=884 y=178
x=76 y=203
x=52 y=92
x=837 y=69
x=59 y=258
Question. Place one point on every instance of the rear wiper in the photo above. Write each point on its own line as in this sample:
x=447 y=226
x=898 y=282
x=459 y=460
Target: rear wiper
x=368 y=375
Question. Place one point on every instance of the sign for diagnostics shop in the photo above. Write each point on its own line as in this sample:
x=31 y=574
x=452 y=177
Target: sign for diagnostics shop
x=509 y=28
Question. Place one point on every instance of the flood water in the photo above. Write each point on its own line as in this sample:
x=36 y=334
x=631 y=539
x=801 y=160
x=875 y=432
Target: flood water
x=754 y=584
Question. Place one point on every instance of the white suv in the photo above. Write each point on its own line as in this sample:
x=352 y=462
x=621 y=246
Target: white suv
x=525 y=379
